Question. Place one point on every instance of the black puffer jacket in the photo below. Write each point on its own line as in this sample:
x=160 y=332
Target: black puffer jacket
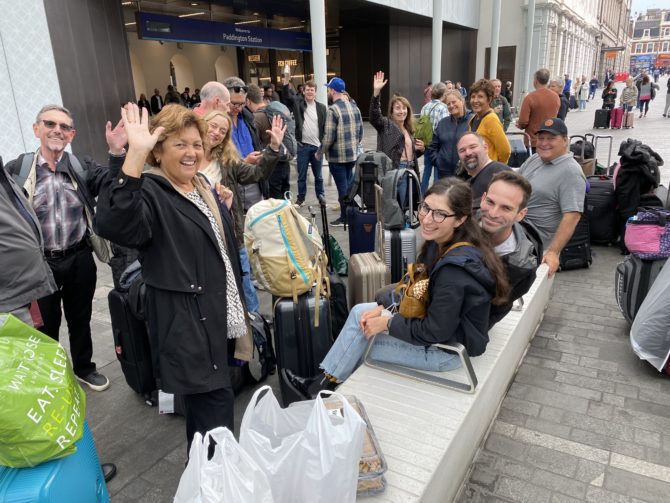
x=185 y=277
x=460 y=292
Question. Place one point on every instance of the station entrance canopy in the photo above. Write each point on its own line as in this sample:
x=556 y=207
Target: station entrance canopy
x=175 y=29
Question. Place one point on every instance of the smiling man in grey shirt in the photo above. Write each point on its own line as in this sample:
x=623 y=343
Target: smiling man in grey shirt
x=559 y=188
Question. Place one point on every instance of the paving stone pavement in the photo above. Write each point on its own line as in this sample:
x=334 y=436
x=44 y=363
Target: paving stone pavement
x=584 y=419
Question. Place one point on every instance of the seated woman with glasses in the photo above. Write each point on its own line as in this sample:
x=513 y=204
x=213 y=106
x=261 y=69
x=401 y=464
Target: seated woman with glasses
x=465 y=278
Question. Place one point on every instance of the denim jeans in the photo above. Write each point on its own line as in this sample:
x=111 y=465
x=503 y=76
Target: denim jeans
x=343 y=174
x=628 y=108
x=427 y=170
x=306 y=156
x=582 y=105
x=248 y=287
x=347 y=352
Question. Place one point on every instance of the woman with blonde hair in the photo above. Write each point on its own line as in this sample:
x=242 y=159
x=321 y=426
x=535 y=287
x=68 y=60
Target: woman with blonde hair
x=222 y=164
x=447 y=133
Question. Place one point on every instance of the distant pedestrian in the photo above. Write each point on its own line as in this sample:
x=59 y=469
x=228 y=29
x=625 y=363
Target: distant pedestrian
x=609 y=96
x=556 y=84
x=647 y=93
x=593 y=85
x=426 y=93
x=666 y=112
x=538 y=106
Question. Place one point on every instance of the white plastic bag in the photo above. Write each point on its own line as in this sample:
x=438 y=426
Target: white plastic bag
x=650 y=333
x=230 y=476
x=308 y=453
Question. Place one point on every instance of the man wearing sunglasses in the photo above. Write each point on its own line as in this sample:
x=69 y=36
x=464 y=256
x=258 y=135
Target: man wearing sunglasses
x=245 y=137
x=61 y=189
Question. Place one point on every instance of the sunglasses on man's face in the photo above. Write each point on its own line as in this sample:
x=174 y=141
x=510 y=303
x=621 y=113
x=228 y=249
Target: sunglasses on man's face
x=52 y=125
x=238 y=89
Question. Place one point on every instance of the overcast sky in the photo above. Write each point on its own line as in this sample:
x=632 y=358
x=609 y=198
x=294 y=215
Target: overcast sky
x=643 y=5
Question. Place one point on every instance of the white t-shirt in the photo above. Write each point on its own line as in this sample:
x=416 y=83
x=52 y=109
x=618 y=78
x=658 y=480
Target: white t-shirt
x=506 y=247
x=310 y=126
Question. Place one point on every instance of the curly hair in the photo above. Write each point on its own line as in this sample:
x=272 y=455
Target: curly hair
x=459 y=197
x=174 y=118
x=484 y=86
x=409 y=120
x=225 y=152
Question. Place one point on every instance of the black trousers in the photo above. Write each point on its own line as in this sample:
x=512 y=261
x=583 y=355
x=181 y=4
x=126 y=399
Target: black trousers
x=206 y=411
x=75 y=277
x=278 y=181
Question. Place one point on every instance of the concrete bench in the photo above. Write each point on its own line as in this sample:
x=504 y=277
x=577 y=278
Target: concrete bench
x=429 y=434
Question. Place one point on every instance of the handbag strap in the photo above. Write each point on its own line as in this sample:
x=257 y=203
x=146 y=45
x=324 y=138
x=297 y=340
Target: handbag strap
x=458 y=245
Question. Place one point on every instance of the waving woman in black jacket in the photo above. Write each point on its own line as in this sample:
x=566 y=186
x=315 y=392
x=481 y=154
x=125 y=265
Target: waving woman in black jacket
x=465 y=277
x=190 y=262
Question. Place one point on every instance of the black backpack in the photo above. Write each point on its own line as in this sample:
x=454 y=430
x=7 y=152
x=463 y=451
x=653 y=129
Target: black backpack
x=371 y=167
x=263 y=361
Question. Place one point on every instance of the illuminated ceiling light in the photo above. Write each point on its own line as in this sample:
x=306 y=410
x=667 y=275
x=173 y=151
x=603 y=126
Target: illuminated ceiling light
x=193 y=4
x=130 y=24
x=192 y=14
x=248 y=22
x=299 y=27
x=127 y=3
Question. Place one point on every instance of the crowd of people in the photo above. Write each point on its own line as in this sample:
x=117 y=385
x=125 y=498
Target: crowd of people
x=184 y=168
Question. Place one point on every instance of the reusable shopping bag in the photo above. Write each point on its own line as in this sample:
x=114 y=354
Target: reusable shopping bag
x=43 y=406
x=308 y=453
x=230 y=476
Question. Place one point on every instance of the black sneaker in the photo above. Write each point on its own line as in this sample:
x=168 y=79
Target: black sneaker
x=337 y=223
x=95 y=380
x=300 y=203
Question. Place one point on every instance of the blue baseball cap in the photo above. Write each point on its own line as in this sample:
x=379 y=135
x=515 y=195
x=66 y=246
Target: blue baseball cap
x=337 y=84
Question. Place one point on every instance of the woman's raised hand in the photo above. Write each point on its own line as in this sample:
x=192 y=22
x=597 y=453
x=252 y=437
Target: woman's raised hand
x=378 y=83
x=136 y=124
x=276 y=132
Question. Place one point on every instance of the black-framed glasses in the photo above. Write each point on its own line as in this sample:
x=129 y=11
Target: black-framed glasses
x=439 y=216
x=238 y=89
x=235 y=105
x=52 y=125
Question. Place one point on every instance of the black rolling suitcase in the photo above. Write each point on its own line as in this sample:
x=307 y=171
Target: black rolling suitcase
x=131 y=344
x=577 y=253
x=339 y=311
x=602 y=118
x=601 y=210
x=632 y=280
x=300 y=346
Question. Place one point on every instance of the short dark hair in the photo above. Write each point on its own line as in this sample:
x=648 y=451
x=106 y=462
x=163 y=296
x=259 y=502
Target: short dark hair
x=254 y=94
x=514 y=178
x=542 y=76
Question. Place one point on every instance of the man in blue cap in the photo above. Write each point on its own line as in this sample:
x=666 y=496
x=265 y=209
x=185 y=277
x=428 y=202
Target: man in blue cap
x=343 y=133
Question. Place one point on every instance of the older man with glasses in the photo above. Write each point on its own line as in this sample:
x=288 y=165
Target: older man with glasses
x=61 y=190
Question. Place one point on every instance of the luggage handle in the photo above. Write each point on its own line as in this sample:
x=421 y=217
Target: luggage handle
x=444 y=382
x=609 y=151
x=380 y=222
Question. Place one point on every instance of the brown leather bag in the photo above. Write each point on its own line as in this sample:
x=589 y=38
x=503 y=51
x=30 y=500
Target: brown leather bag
x=413 y=288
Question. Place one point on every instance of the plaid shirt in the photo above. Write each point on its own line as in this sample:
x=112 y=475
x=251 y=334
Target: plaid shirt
x=58 y=207
x=343 y=133
x=436 y=110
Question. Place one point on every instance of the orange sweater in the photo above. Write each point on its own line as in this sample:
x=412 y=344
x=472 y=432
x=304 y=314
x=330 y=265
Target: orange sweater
x=538 y=106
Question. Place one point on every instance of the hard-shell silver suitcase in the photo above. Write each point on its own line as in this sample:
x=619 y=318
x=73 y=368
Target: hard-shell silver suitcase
x=368 y=271
x=400 y=250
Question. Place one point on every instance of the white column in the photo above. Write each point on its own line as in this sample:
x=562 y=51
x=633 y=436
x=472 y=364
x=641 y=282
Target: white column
x=436 y=58
x=495 y=36
x=317 y=11
x=530 y=20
